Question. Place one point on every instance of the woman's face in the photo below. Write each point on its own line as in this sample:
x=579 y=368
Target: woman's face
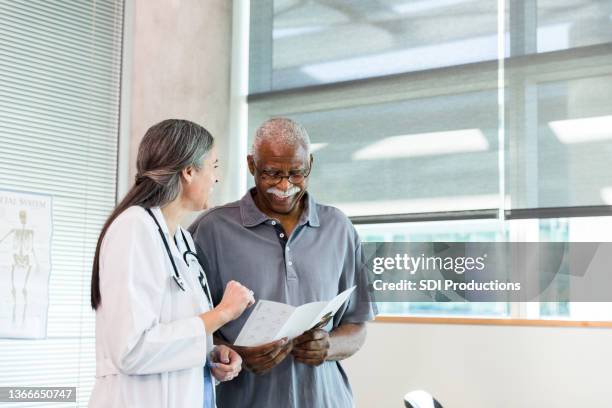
x=202 y=181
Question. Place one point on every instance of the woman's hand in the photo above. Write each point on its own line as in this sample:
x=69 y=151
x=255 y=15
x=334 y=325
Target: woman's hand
x=236 y=299
x=225 y=363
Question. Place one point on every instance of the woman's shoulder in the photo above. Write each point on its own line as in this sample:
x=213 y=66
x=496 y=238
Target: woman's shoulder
x=132 y=219
x=132 y=225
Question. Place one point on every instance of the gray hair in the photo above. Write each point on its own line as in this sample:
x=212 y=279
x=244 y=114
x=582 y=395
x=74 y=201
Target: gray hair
x=165 y=150
x=280 y=131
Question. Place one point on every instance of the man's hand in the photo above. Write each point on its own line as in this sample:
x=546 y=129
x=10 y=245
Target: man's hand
x=261 y=359
x=312 y=347
x=225 y=363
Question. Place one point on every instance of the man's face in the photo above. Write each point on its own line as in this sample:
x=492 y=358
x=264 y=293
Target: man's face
x=278 y=159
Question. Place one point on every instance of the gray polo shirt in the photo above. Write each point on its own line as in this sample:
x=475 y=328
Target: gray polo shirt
x=320 y=259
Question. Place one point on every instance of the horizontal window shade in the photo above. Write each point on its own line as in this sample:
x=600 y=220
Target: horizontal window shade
x=39 y=80
x=46 y=104
x=55 y=26
x=59 y=114
x=80 y=14
x=56 y=63
x=46 y=133
x=46 y=168
x=53 y=186
x=103 y=11
x=361 y=164
x=290 y=44
x=55 y=362
x=53 y=71
x=560 y=153
x=427 y=139
x=48 y=39
x=46 y=97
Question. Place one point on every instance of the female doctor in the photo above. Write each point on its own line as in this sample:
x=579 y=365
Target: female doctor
x=154 y=319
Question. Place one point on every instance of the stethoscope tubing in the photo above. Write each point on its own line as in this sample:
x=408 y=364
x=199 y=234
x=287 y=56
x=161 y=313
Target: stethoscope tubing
x=177 y=277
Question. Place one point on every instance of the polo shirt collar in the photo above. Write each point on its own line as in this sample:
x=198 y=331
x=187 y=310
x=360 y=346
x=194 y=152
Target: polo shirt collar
x=252 y=216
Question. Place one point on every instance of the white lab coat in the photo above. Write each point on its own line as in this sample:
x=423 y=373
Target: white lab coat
x=151 y=346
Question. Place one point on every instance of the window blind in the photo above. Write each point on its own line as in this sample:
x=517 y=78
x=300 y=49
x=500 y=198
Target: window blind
x=60 y=68
x=406 y=118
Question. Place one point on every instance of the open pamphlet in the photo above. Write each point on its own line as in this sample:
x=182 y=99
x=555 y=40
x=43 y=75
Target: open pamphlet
x=272 y=321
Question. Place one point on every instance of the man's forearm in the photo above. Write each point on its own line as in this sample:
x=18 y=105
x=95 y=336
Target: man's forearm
x=345 y=340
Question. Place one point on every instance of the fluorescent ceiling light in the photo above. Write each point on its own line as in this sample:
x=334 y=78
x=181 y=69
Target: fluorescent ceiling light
x=583 y=130
x=419 y=205
x=317 y=146
x=606 y=195
x=287 y=32
x=424 y=144
x=405 y=60
x=553 y=37
x=412 y=7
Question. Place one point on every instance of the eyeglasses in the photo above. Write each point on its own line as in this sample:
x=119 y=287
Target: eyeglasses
x=274 y=177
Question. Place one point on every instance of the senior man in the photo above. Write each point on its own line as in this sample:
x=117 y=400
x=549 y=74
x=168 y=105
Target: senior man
x=278 y=241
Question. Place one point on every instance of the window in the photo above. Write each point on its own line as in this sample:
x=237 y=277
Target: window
x=456 y=120
x=59 y=107
x=438 y=231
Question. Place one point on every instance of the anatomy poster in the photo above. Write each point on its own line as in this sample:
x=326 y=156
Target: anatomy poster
x=25 y=264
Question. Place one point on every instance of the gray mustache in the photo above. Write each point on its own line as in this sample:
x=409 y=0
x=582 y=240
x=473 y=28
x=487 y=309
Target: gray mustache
x=292 y=191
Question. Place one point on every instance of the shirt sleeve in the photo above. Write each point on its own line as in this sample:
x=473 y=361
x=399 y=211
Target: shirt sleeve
x=360 y=306
x=133 y=279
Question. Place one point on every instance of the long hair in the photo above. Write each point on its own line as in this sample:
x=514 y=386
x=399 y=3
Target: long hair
x=165 y=150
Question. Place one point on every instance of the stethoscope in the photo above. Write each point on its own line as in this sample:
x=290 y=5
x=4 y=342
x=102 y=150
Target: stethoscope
x=177 y=277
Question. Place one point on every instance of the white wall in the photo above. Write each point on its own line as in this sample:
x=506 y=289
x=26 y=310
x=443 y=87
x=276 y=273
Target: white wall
x=484 y=366
x=180 y=68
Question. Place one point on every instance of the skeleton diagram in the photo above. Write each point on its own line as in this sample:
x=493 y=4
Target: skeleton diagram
x=23 y=258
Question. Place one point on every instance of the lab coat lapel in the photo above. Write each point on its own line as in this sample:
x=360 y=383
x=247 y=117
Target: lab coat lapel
x=178 y=259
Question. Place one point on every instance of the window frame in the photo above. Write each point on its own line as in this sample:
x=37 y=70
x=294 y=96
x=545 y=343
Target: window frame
x=528 y=70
